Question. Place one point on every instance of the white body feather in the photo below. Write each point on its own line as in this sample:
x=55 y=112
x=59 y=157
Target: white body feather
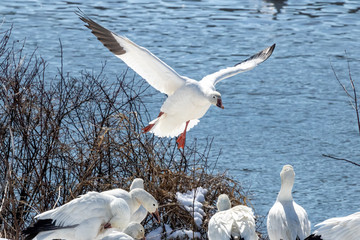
x=230 y=222
x=138 y=212
x=139 y=201
x=347 y=227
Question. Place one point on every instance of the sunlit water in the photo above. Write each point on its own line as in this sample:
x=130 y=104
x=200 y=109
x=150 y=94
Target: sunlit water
x=288 y=110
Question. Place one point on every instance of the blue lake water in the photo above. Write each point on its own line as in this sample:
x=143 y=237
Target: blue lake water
x=288 y=110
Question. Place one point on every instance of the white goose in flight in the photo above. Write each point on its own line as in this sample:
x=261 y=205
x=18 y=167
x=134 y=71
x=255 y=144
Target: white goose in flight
x=287 y=220
x=188 y=100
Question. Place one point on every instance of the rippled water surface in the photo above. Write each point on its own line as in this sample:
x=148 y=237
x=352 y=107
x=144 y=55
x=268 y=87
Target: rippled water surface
x=288 y=110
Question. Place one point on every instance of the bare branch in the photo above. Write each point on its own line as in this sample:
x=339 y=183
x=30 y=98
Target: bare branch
x=341 y=159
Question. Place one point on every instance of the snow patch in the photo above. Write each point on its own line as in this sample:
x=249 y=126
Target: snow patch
x=192 y=202
x=155 y=234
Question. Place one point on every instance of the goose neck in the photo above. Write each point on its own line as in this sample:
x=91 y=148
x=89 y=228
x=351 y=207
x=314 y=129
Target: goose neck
x=285 y=192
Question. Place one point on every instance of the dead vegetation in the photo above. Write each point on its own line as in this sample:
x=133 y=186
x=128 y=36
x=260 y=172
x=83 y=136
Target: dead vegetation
x=352 y=94
x=61 y=137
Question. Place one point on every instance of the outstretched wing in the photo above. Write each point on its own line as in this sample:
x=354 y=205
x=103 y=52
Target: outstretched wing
x=157 y=73
x=243 y=66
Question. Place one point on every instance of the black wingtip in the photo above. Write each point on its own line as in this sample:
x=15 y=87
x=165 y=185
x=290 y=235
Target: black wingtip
x=272 y=47
x=313 y=237
x=263 y=55
x=103 y=35
x=42 y=225
x=39 y=226
x=79 y=12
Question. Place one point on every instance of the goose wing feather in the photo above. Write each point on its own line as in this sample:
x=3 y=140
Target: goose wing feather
x=243 y=66
x=87 y=206
x=157 y=73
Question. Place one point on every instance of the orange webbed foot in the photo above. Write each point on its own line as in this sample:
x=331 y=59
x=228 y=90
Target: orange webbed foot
x=147 y=128
x=181 y=141
x=150 y=126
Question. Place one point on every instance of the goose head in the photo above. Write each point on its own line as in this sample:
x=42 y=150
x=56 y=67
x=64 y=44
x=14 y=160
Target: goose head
x=147 y=201
x=287 y=176
x=135 y=230
x=214 y=98
x=223 y=203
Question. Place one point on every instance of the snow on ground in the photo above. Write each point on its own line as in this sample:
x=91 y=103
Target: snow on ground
x=192 y=202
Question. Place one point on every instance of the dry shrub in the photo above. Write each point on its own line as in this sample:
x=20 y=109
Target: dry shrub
x=62 y=137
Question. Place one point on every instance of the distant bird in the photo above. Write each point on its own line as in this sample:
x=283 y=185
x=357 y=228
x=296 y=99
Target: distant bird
x=231 y=223
x=188 y=100
x=133 y=231
x=82 y=218
x=287 y=220
x=139 y=201
x=347 y=228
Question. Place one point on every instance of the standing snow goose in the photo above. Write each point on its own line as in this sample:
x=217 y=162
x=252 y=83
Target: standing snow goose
x=347 y=227
x=287 y=220
x=137 y=198
x=133 y=231
x=188 y=100
x=229 y=223
x=82 y=218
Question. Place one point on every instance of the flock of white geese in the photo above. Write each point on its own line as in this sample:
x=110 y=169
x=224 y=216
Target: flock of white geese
x=117 y=213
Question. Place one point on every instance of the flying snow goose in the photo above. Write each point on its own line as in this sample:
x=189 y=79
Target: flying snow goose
x=133 y=231
x=137 y=198
x=287 y=220
x=347 y=227
x=82 y=218
x=188 y=100
x=229 y=223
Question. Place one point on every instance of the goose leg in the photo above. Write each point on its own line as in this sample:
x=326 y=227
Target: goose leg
x=150 y=126
x=182 y=137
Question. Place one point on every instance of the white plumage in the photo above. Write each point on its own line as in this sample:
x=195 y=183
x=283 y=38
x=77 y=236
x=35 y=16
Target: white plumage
x=287 y=220
x=237 y=222
x=338 y=228
x=139 y=201
x=188 y=100
x=139 y=215
x=82 y=218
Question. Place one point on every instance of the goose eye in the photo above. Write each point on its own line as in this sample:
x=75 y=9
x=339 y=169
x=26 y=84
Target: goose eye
x=154 y=204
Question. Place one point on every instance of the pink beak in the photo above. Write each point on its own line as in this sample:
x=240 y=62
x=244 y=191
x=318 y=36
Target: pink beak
x=219 y=103
x=156 y=215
